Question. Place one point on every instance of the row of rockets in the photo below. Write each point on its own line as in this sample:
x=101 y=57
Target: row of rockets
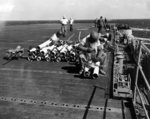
x=63 y=51
x=57 y=52
x=60 y=51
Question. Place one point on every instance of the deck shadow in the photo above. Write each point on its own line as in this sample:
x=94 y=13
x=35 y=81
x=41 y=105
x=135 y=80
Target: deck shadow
x=71 y=69
x=89 y=103
x=74 y=70
x=82 y=77
x=8 y=61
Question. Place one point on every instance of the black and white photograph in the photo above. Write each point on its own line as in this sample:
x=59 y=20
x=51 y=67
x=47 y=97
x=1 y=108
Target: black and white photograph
x=74 y=59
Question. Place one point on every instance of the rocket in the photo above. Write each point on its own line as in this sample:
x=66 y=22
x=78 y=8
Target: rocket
x=86 y=72
x=45 y=52
x=96 y=70
x=32 y=54
x=64 y=49
x=64 y=52
x=45 y=44
x=60 y=48
x=32 y=50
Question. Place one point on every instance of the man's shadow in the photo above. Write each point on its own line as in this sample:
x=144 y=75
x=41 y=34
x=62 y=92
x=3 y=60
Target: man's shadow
x=71 y=68
x=74 y=69
x=88 y=106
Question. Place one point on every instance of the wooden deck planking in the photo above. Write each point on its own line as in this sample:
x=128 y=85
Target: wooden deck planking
x=56 y=82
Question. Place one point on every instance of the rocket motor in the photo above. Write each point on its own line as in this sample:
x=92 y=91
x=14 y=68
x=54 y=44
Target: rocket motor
x=96 y=70
x=45 y=44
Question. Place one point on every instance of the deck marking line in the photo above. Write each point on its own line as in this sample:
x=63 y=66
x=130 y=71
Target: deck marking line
x=70 y=36
x=31 y=70
x=82 y=29
x=39 y=71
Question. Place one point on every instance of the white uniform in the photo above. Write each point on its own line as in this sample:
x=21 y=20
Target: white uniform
x=86 y=43
x=71 y=24
x=64 y=21
x=71 y=21
x=93 y=59
x=97 y=46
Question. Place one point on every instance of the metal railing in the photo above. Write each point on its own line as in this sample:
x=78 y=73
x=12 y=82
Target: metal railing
x=137 y=92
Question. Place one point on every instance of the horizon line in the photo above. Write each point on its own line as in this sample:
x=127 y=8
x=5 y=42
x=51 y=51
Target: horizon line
x=80 y=19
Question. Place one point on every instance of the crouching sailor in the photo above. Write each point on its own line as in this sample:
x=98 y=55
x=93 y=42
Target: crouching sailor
x=91 y=55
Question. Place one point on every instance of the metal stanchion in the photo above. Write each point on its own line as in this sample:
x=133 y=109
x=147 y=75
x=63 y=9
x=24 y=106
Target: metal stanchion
x=137 y=74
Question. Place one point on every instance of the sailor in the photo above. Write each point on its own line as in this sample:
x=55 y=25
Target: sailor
x=101 y=25
x=105 y=21
x=107 y=26
x=64 y=22
x=92 y=51
x=71 y=21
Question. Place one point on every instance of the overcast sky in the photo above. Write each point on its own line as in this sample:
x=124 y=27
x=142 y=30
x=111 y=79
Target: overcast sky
x=77 y=9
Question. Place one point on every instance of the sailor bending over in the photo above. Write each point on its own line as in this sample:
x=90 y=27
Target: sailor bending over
x=91 y=51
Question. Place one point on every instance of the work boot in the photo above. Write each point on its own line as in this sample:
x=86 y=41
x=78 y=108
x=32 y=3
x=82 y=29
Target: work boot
x=102 y=72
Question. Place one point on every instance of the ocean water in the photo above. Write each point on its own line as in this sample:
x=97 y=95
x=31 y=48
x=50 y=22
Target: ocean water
x=139 y=23
x=135 y=23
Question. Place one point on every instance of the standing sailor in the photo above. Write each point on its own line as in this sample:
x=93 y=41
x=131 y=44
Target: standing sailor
x=101 y=25
x=64 y=22
x=71 y=21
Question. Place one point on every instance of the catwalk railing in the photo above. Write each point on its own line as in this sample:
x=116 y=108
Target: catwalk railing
x=140 y=101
